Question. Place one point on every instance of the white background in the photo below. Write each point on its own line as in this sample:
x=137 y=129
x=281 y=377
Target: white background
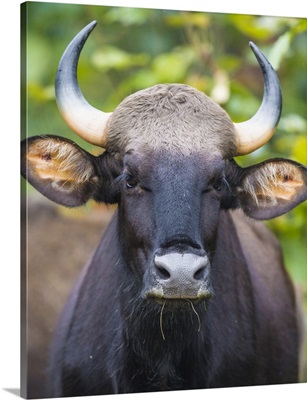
x=9 y=175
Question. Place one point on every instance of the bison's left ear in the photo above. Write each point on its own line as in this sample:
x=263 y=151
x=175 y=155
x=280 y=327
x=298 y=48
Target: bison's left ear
x=59 y=169
x=272 y=188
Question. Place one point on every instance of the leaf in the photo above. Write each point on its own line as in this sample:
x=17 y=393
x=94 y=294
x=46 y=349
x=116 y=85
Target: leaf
x=197 y=19
x=172 y=67
x=128 y=16
x=293 y=123
x=111 y=57
x=251 y=26
x=280 y=49
x=299 y=152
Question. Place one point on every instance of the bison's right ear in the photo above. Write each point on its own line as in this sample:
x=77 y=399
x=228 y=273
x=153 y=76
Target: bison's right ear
x=59 y=169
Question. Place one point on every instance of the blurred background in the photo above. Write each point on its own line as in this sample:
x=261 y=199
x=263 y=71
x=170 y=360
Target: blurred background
x=131 y=49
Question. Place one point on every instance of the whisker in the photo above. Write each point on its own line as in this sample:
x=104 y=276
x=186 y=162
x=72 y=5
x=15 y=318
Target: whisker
x=196 y=313
x=161 y=320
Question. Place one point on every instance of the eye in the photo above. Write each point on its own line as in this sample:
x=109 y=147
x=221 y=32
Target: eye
x=217 y=184
x=131 y=182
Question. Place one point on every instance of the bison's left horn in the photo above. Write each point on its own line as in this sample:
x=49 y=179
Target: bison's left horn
x=88 y=122
x=255 y=132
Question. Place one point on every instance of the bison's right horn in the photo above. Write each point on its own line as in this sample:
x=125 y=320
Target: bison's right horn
x=88 y=122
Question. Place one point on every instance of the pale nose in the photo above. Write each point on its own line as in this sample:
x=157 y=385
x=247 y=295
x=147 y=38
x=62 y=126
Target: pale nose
x=184 y=268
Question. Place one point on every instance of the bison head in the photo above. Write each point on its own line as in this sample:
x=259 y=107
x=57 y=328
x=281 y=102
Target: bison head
x=169 y=165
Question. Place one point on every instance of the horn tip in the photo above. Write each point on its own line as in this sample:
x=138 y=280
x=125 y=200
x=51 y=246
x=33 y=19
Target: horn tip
x=253 y=46
x=91 y=26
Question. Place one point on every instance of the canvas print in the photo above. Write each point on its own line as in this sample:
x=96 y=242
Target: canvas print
x=163 y=162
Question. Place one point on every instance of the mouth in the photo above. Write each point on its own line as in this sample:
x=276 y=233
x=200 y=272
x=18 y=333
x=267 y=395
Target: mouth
x=161 y=296
x=182 y=306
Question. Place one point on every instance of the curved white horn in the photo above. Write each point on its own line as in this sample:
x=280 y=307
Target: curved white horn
x=258 y=130
x=88 y=122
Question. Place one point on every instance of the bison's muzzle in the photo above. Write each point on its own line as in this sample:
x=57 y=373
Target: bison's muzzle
x=178 y=276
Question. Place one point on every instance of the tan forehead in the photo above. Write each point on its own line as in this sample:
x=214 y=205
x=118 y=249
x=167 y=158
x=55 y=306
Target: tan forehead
x=176 y=117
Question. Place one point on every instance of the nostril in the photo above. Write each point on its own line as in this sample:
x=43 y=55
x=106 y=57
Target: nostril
x=180 y=269
x=162 y=273
x=199 y=274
